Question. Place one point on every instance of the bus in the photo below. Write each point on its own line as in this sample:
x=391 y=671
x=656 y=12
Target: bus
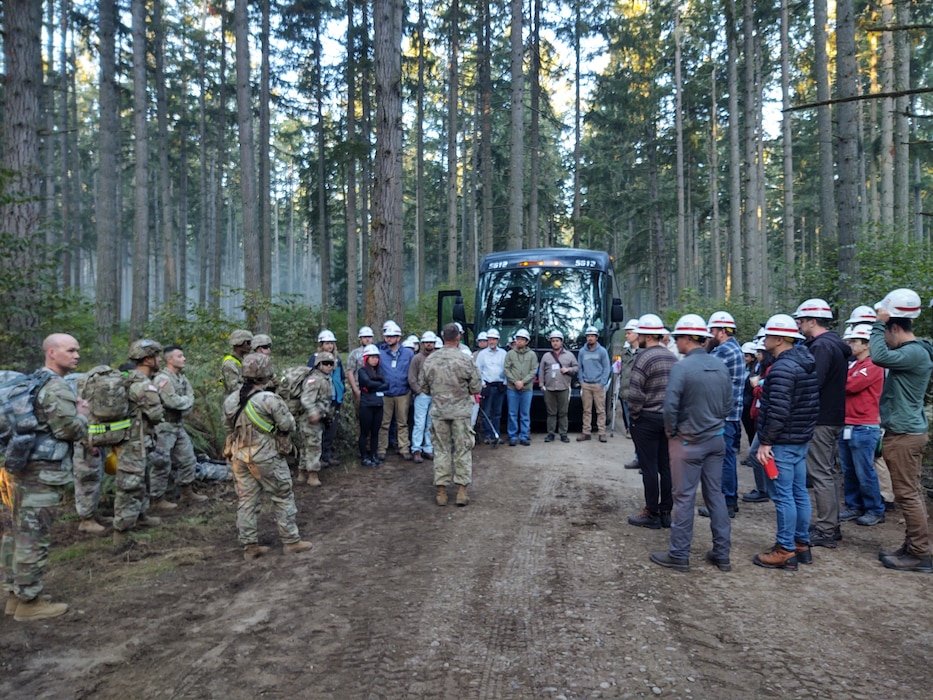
x=541 y=290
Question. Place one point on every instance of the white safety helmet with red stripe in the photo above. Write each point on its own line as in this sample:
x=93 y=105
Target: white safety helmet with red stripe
x=691 y=324
x=859 y=332
x=631 y=325
x=782 y=326
x=901 y=303
x=721 y=319
x=814 y=308
x=651 y=324
x=862 y=314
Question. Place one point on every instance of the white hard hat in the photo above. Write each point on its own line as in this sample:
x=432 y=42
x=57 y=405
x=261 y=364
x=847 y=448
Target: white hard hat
x=410 y=341
x=326 y=336
x=522 y=333
x=370 y=350
x=748 y=348
x=760 y=334
x=760 y=345
x=556 y=334
x=783 y=326
x=428 y=337
x=814 y=308
x=861 y=331
x=650 y=324
x=631 y=325
x=482 y=336
x=591 y=330
x=721 y=319
x=459 y=327
x=862 y=314
x=691 y=324
x=391 y=328
x=901 y=303
x=492 y=333
x=365 y=332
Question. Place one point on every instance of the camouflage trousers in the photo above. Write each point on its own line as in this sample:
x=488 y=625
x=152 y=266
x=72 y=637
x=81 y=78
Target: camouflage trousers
x=453 y=450
x=132 y=484
x=252 y=480
x=312 y=437
x=88 y=472
x=28 y=511
x=172 y=440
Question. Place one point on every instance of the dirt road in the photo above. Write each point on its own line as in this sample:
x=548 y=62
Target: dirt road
x=538 y=589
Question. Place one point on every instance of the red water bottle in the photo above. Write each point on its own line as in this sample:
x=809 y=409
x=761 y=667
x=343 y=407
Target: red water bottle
x=770 y=468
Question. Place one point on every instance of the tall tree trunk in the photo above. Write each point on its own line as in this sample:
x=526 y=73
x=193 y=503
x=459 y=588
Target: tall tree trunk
x=715 y=232
x=420 y=236
x=577 y=118
x=217 y=207
x=790 y=278
x=366 y=130
x=824 y=120
x=265 y=176
x=321 y=189
x=384 y=294
x=252 y=273
x=353 y=279
x=165 y=196
x=902 y=42
x=753 y=258
x=69 y=249
x=679 y=130
x=453 y=106
x=534 y=135
x=847 y=85
x=887 y=119
x=139 y=311
x=485 y=87
x=736 y=287
x=659 y=245
x=517 y=143
x=205 y=230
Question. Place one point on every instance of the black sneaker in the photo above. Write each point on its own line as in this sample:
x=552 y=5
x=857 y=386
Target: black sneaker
x=549 y=438
x=665 y=518
x=909 y=562
x=756 y=496
x=645 y=519
x=526 y=442
x=565 y=438
x=703 y=512
x=820 y=540
x=721 y=564
x=666 y=560
x=512 y=442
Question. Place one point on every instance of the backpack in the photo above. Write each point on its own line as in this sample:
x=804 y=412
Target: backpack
x=18 y=421
x=291 y=382
x=107 y=392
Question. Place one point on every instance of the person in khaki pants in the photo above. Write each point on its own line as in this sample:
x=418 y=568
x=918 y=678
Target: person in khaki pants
x=555 y=375
x=594 y=374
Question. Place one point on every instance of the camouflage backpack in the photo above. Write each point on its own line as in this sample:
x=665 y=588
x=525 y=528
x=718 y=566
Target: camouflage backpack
x=107 y=392
x=290 y=384
x=18 y=421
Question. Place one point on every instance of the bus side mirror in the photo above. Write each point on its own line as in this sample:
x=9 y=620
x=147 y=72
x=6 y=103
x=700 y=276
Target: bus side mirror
x=617 y=313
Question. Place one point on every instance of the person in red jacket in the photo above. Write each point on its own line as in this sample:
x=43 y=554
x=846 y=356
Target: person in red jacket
x=861 y=433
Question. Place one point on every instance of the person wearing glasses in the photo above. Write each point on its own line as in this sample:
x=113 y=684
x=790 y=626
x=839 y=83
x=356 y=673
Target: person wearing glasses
x=316 y=414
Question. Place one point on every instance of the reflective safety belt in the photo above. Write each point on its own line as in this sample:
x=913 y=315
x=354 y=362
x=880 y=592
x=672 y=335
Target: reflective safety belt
x=257 y=420
x=101 y=428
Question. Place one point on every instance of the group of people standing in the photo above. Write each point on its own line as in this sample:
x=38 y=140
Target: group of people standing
x=819 y=404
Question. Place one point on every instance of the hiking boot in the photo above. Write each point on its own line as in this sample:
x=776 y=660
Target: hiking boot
x=666 y=560
x=367 y=462
x=645 y=519
x=441 y=496
x=253 y=551
x=407 y=457
x=89 y=526
x=631 y=465
x=584 y=437
x=462 y=498
x=893 y=553
x=333 y=462
x=731 y=510
x=549 y=438
x=850 y=514
x=296 y=547
x=565 y=438
x=512 y=442
x=121 y=537
x=313 y=479
x=665 y=518
x=430 y=455
x=525 y=442
x=189 y=495
x=703 y=512
x=723 y=564
x=146 y=520
x=905 y=562
x=11 y=602
x=417 y=458
x=804 y=554
x=756 y=496
x=39 y=608
x=870 y=519
x=163 y=505
x=602 y=438
x=818 y=539
x=777 y=558
x=301 y=478
x=380 y=458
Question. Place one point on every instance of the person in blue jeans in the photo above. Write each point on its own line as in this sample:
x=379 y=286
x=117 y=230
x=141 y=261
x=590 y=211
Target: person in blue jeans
x=521 y=363
x=790 y=403
x=860 y=435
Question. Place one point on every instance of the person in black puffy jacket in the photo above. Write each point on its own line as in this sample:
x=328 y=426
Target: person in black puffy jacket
x=790 y=404
x=372 y=385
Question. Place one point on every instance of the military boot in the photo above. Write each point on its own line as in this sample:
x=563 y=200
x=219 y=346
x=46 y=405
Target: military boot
x=146 y=520
x=189 y=495
x=121 y=537
x=39 y=608
x=163 y=505
x=296 y=547
x=302 y=477
x=313 y=479
x=11 y=604
x=253 y=551
x=441 y=496
x=462 y=498
x=89 y=526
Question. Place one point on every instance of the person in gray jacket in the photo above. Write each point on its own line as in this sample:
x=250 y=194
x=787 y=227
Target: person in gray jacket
x=594 y=375
x=697 y=401
x=555 y=375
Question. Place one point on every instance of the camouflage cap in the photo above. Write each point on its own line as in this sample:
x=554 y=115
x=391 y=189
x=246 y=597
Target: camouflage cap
x=240 y=336
x=144 y=348
x=257 y=366
x=324 y=356
x=261 y=339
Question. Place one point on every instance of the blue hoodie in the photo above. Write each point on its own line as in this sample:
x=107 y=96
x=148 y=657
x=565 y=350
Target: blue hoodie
x=394 y=367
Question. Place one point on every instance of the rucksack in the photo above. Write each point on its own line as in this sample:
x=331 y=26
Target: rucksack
x=107 y=392
x=291 y=382
x=18 y=421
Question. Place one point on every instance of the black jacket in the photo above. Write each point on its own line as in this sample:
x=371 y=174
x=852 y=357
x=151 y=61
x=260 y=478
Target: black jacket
x=831 y=355
x=790 y=400
x=371 y=381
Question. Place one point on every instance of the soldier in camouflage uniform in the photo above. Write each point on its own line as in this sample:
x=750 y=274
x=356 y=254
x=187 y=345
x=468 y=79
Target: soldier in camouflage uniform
x=260 y=422
x=316 y=413
x=173 y=440
x=31 y=496
x=240 y=341
x=138 y=456
x=452 y=380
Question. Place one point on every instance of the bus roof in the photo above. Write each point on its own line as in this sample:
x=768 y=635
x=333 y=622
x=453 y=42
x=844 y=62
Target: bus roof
x=547 y=257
